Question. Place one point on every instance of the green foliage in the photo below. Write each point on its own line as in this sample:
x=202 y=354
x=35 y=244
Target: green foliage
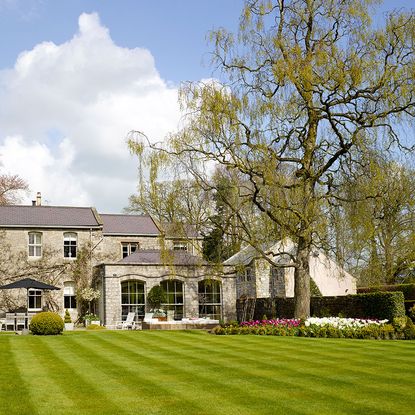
x=156 y=296
x=408 y=290
x=370 y=332
x=412 y=312
x=46 y=323
x=95 y=327
x=90 y=317
x=382 y=305
x=67 y=317
x=314 y=290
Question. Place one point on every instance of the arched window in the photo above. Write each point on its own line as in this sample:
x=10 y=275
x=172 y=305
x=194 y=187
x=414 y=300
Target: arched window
x=35 y=244
x=210 y=299
x=174 y=293
x=69 y=244
x=132 y=299
x=69 y=295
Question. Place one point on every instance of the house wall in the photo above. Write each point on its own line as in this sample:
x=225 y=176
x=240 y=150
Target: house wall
x=52 y=251
x=113 y=275
x=112 y=249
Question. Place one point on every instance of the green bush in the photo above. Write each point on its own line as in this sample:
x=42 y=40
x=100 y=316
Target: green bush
x=95 y=327
x=382 y=305
x=407 y=289
x=46 y=323
x=67 y=318
x=156 y=296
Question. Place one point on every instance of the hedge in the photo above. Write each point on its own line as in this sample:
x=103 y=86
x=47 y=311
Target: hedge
x=407 y=289
x=380 y=305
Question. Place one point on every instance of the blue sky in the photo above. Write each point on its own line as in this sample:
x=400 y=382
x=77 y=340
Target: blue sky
x=76 y=76
x=174 y=31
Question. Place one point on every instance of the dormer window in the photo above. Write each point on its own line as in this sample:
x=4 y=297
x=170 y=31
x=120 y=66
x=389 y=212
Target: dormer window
x=69 y=244
x=35 y=244
x=128 y=248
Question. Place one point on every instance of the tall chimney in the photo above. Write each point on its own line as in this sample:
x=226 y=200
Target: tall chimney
x=38 y=199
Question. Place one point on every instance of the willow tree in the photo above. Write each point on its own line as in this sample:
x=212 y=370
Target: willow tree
x=304 y=86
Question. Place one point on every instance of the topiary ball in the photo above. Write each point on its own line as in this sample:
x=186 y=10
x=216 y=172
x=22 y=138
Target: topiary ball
x=46 y=323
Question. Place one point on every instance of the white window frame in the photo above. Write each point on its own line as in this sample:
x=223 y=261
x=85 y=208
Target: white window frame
x=70 y=239
x=34 y=293
x=180 y=246
x=129 y=246
x=36 y=245
x=69 y=291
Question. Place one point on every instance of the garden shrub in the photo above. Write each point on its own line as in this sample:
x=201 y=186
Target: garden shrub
x=95 y=327
x=382 y=305
x=46 y=323
x=67 y=317
x=409 y=330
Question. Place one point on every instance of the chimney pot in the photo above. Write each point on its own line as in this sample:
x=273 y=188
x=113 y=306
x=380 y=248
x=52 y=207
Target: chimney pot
x=38 y=199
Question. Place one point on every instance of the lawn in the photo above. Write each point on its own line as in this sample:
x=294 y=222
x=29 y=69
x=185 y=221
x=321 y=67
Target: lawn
x=125 y=372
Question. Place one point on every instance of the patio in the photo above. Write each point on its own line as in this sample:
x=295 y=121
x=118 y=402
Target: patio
x=20 y=320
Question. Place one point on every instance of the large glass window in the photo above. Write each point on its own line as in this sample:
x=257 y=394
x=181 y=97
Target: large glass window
x=132 y=299
x=210 y=302
x=69 y=245
x=128 y=248
x=174 y=294
x=69 y=294
x=35 y=299
x=35 y=244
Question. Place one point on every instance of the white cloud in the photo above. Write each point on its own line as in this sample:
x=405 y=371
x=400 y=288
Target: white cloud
x=65 y=112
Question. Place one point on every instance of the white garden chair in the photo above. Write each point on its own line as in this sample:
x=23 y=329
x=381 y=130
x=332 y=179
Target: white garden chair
x=128 y=323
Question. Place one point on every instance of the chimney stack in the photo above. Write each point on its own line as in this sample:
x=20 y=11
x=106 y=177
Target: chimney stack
x=38 y=199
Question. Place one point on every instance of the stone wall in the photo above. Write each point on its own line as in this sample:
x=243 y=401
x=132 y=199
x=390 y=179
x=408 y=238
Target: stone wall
x=112 y=275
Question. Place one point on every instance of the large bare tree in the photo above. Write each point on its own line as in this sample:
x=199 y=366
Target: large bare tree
x=305 y=86
x=11 y=187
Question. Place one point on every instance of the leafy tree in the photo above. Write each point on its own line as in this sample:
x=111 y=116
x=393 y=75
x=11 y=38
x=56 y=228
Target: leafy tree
x=305 y=86
x=380 y=220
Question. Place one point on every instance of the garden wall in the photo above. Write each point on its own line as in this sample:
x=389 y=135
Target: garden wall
x=380 y=305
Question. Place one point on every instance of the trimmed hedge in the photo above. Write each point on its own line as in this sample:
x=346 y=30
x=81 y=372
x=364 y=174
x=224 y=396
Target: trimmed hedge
x=46 y=323
x=380 y=305
x=407 y=289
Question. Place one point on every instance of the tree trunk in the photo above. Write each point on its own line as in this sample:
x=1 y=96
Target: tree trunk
x=302 y=280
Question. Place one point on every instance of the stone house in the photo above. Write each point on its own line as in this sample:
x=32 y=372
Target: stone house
x=128 y=255
x=256 y=277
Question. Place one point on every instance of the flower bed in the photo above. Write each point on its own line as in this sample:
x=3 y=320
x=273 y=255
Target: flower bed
x=334 y=327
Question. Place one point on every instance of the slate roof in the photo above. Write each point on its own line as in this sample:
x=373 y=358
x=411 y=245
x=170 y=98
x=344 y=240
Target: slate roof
x=48 y=217
x=247 y=254
x=115 y=224
x=179 y=231
x=158 y=257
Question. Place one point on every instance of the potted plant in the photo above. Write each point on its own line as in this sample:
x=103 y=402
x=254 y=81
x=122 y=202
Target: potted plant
x=155 y=297
x=91 y=319
x=68 y=321
x=160 y=315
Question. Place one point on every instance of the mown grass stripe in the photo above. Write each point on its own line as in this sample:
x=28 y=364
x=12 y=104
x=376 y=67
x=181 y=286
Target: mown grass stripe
x=339 y=381
x=134 y=379
x=192 y=385
x=13 y=380
x=262 y=376
x=196 y=373
x=86 y=387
